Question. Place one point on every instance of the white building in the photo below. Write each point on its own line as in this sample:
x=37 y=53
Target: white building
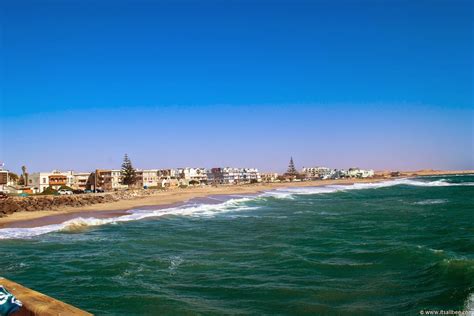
x=149 y=178
x=317 y=172
x=269 y=177
x=168 y=178
x=360 y=173
x=229 y=175
x=80 y=180
x=39 y=181
x=3 y=180
x=198 y=175
x=367 y=173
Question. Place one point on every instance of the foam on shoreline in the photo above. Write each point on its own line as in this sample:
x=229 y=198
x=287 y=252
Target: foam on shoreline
x=234 y=203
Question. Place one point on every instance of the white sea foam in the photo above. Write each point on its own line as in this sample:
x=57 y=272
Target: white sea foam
x=288 y=193
x=175 y=262
x=209 y=210
x=469 y=305
x=197 y=210
x=437 y=183
x=431 y=202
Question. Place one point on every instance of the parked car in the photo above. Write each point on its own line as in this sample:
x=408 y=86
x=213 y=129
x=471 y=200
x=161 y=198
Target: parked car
x=88 y=191
x=99 y=191
x=64 y=192
x=78 y=191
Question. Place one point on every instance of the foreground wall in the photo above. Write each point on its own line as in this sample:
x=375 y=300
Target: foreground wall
x=35 y=303
x=12 y=205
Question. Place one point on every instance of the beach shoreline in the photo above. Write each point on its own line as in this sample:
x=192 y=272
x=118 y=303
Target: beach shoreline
x=175 y=197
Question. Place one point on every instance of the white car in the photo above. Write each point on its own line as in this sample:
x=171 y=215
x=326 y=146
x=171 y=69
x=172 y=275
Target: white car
x=64 y=192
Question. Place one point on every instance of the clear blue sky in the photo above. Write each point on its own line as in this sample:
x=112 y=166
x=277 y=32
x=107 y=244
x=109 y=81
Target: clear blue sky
x=376 y=84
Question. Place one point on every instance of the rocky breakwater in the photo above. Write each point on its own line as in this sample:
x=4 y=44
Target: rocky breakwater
x=11 y=204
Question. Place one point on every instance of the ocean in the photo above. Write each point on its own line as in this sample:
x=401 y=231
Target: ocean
x=396 y=247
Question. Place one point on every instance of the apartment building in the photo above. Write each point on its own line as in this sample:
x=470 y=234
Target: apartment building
x=269 y=177
x=3 y=180
x=148 y=178
x=55 y=179
x=360 y=173
x=168 y=178
x=317 y=172
x=109 y=180
x=229 y=175
x=82 y=181
x=192 y=175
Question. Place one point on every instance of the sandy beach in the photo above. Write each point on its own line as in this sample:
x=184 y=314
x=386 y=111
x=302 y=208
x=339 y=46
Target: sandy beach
x=176 y=196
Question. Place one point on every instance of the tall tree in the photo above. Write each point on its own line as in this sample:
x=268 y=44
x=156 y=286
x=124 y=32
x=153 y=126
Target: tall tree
x=25 y=175
x=128 y=172
x=291 y=168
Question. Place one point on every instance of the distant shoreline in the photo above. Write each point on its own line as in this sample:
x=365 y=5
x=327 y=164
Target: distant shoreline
x=173 y=197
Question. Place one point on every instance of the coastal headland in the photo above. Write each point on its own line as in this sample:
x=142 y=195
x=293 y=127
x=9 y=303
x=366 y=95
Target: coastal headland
x=41 y=210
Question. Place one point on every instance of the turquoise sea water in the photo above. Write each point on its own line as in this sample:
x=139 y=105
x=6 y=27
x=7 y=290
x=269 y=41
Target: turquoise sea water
x=370 y=249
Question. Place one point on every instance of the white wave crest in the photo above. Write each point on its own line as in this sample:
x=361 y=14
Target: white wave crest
x=207 y=210
x=431 y=202
x=288 y=193
x=437 y=183
x=196 y=210
x=469 y=305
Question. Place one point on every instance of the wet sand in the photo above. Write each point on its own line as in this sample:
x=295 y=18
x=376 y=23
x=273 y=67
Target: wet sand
x=171 y=198
x=162 y=199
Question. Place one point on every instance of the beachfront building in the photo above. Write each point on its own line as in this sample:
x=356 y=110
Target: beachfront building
x=229 y=175
x=192 y=175
x=168 y=178
x=359 y=173
x=367 y=173
x=269 y=177
x=109 y=180
x=3 y=180
x=314 y=173
x=55 y=179
x=165 y=173
x=168 y=182
x=148 y=178
x=81 y=181
x=38 y=181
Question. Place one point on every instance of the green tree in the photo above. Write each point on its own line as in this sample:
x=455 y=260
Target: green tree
x=21 y=180
x=128 y=172
x=291 y=168
x=13 y=177
x=49 y=191
x=25 y=175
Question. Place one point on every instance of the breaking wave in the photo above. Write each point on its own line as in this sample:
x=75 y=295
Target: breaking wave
x=80 y=223
x=288 y=193
x=469 y=305
x=208 y=210
x=431 y=202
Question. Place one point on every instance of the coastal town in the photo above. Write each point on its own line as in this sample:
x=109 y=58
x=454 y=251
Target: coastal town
x=107 y=180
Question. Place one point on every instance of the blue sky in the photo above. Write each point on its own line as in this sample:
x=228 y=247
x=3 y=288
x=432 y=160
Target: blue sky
x=376 y=84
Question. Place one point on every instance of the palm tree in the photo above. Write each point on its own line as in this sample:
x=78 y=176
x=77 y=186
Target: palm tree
x=25 y=174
